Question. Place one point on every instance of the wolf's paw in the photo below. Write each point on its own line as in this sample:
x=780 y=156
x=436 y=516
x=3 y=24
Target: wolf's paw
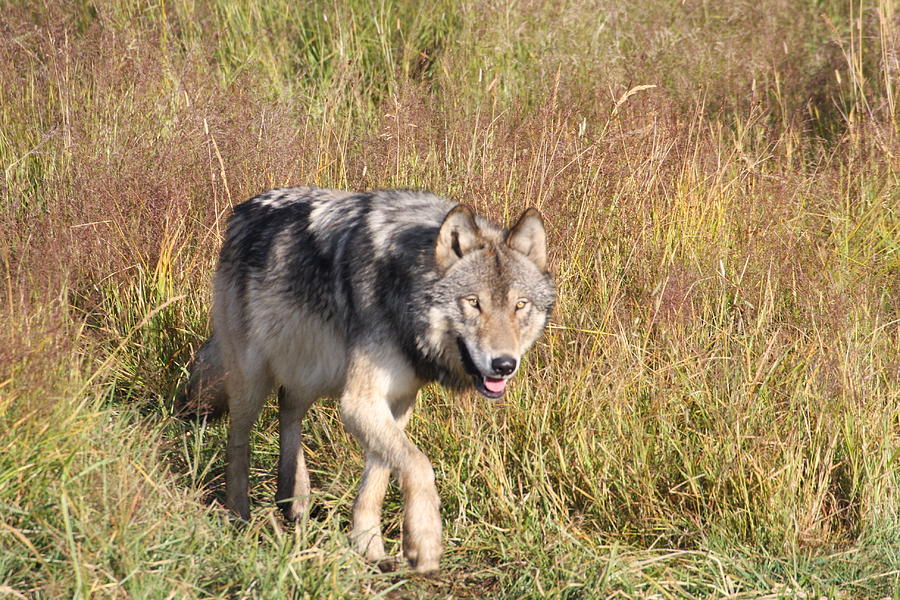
x=294 y=509
x=429 y=568
x=370 y=545
x=388 y=564
x=424 y=558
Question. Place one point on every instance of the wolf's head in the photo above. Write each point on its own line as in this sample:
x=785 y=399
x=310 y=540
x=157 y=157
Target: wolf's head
x=493 y=297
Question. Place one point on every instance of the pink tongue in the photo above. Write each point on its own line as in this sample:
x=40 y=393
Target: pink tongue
x=494 y=385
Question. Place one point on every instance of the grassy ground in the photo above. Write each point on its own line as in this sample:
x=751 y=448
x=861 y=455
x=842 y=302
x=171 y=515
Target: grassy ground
x=713 y=412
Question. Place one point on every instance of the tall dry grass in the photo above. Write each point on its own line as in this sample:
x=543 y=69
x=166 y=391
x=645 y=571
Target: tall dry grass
x=712 y=413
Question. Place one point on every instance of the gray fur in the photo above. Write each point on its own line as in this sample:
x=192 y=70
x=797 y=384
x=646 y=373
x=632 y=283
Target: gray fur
x=365 y=297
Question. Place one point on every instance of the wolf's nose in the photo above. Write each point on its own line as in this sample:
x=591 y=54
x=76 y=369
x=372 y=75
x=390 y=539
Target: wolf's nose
x=503 y=365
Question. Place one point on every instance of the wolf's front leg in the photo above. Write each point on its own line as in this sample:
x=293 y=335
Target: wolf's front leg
x=366 y=533
x=422 y=517
x=367 y=412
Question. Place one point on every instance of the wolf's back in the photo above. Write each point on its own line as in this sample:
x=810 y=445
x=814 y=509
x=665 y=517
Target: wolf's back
x=332 y=260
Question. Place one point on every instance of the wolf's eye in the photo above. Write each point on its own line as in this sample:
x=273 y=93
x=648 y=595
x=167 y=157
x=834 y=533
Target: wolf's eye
x=521 y=304
x=472 y=301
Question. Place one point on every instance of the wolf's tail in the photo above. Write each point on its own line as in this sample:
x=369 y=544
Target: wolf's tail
x=205 y=395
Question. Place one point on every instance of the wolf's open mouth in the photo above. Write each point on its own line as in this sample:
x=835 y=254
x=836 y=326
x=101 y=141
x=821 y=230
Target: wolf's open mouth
x=489 y=387
x=492 y=386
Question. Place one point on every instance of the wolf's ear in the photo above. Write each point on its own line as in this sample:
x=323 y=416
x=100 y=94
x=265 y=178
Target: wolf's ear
x=528 y=237
x=458 y=236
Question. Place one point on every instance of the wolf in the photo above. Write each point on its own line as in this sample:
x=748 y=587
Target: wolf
x=365 y=297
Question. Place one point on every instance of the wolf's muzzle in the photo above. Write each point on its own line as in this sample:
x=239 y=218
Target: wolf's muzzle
x=487 y=386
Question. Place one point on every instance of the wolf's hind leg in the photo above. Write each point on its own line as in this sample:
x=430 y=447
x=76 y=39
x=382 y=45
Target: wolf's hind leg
x=246 y=395
x=293 y=477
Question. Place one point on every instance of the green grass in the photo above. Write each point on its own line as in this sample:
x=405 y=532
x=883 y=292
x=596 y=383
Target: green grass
x=713 y=413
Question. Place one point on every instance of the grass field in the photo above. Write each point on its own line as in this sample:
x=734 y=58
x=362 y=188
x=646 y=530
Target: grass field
x=713 y=413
